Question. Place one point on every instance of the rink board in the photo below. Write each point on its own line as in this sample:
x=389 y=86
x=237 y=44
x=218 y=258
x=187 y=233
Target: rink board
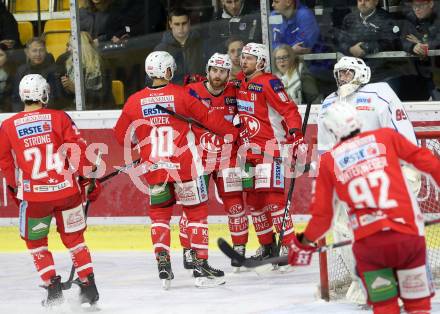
x=120 y=199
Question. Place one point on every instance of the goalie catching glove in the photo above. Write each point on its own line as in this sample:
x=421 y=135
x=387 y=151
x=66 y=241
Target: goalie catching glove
x=300 y=254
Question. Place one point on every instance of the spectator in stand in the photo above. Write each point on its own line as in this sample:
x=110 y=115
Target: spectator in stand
x=8 y=28
x=420 y=33
x=236 y=18
x=234 y=46
x=97 y=82
x=39 y=61
x=369 y=30
x=184 y=44
x=294 y=24
x=6 y=80
x=95 y=18
x=298 y=82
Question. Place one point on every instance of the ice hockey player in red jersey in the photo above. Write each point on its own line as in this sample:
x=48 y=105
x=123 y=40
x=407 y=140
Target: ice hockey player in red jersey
x=364 y=171
x=218 y=158
x=171 y=175
x=34 y=145
x=269 y=119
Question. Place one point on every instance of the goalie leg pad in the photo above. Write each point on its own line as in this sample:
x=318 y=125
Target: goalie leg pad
x=237 y=219
x=161 y=195
x=192 y=193
x=160 y=228
x=42 y=257
x=198 y=229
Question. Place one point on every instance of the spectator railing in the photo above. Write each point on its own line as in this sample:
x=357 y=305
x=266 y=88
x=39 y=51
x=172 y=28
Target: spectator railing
x=379 y=55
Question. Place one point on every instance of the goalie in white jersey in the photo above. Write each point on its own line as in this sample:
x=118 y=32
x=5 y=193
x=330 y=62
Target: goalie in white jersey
x=377 y=107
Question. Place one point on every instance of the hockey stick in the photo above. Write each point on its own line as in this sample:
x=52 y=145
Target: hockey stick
x=68 y=284
x=292 y=183
x=229 y=251
x=118 y=171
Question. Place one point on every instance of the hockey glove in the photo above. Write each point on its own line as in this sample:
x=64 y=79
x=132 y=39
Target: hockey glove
x=13 y=194
x=90 y=189
x=300 y=254
x=243 y=136
x=296 y=140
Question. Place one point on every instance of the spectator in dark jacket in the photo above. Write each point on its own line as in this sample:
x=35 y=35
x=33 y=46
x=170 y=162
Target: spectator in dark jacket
x=38 y=62
x=421 y=33
x=184 y=44
x=95 y=18
x=237 y=18
x=8 y=28
x=6 y=80
x=369 y=30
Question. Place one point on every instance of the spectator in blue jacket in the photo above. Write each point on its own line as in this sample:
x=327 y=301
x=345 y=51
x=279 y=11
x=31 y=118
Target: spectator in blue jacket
x=294 y=24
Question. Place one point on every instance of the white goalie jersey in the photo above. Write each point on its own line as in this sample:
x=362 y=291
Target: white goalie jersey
x=377 y=106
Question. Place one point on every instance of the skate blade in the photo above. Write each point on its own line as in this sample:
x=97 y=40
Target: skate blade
x=209 y=282
x=264 y=269
x=166 y=284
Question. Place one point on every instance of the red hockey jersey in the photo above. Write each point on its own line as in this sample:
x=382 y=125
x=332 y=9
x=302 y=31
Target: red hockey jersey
x=212 y=148
x=266 y=112
x=35 y=143
x=365 y=173
x=163 y=137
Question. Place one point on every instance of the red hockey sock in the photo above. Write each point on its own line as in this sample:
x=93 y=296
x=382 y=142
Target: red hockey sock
x=79 y=253
x=237 y=219
x=419 y=306
x=275 y=205
x=43 y=259
x=391 y=307
x=260 y=218
x=183 y=232
x=198 y=229
x=160 y=228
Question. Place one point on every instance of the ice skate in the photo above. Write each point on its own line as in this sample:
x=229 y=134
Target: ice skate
x=88 y=291
x=241 y=249
x=164 y=267
x=264 y=252
x=188 y=259
x=54 y=293
x=284 y=267
x=205 y=275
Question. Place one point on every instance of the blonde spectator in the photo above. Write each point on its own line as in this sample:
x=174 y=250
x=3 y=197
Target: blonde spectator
x=297 y=80
x=234 y=46
x=96 y=81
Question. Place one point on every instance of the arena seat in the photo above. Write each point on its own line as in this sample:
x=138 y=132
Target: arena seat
x=118 y=92
x=26 y=31
x=30 y=6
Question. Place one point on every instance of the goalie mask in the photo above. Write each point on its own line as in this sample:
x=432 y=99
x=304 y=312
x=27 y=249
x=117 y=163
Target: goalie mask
x=157 y=63
x=341 y=120
x=34 y=87
x=350 y=73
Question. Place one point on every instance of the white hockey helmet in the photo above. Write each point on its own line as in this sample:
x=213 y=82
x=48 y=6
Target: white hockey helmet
x=219 y=60
x=341 y=120
x=34 y=87
x=362 y=74
x=158 y=62
x=258 y=50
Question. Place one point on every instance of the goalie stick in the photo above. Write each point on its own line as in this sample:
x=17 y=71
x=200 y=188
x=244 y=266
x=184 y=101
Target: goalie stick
x=229 y=251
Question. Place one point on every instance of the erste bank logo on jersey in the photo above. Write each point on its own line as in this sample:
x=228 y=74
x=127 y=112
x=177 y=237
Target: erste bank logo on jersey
x=246 y=106
x=149 y=104
x=34 y=128
x=357 y=154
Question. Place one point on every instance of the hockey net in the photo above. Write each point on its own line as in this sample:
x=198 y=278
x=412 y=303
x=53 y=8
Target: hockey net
x=335 y=265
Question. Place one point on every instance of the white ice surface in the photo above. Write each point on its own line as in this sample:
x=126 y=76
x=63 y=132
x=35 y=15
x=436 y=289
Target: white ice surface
x=128 y=283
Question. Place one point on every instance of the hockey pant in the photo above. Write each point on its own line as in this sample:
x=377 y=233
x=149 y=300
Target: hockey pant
x=267 y=210
x=35 y=218
x=393 y=265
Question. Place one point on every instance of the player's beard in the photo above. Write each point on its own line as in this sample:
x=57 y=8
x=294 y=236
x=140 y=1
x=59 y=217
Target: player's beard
x=217 y=83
